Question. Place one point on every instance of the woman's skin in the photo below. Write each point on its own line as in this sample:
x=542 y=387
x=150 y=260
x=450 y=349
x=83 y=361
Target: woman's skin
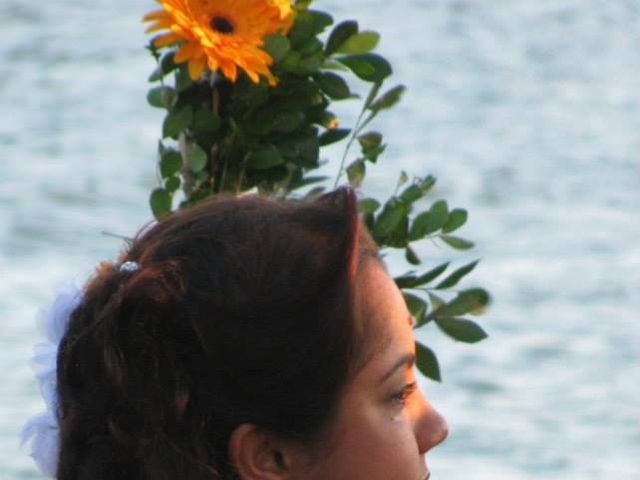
x=384 y=425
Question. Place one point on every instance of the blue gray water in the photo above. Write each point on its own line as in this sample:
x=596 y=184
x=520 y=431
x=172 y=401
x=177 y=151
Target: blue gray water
x=527 y=111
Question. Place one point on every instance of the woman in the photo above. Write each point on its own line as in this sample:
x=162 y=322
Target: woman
x=244 y=339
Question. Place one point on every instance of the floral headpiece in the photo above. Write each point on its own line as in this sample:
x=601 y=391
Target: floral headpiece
x=42 y=430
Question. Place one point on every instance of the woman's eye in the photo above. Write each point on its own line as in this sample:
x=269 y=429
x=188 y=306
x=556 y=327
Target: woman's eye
x=401 y=396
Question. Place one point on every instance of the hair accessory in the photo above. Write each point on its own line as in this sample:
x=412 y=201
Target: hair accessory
x=42 y=430
x=129 y=266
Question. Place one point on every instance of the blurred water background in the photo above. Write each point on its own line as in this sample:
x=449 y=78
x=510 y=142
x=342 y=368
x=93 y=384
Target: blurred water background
x=527 y=111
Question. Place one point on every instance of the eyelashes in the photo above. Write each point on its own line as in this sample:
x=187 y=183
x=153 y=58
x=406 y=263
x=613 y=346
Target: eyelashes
x=402 y=395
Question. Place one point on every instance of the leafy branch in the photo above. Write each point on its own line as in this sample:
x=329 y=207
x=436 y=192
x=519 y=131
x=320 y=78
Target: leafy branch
x=236 y=136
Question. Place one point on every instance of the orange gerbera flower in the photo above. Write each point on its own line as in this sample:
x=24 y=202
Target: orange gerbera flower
x=222 y=34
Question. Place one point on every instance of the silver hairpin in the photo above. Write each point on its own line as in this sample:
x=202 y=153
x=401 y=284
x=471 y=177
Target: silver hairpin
x=129 y=266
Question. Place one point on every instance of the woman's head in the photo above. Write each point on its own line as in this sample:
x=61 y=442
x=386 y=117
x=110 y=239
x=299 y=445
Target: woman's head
x=233 y=343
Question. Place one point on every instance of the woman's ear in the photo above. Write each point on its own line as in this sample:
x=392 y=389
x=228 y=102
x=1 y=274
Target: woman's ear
x=258 y=454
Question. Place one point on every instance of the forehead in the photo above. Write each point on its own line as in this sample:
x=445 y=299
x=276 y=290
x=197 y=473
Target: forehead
x=381 y=315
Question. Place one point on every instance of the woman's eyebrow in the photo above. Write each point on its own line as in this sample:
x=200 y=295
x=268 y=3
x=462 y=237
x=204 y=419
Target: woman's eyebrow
x=407 y=360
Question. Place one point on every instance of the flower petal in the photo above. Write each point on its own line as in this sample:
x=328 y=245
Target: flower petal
x=187 y=51
x=196 y=67
x=212 y=61
x=166 y=39
x=226 y=52
x=159 y=25
x=229 y=70
x=155 y=15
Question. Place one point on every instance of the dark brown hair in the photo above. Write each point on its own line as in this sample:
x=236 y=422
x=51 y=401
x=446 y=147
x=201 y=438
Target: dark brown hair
x=241 y=310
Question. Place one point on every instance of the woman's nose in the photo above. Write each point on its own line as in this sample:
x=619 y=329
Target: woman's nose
x=431 y=429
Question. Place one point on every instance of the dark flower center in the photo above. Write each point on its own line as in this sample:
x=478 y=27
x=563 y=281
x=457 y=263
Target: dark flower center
x=221 y=24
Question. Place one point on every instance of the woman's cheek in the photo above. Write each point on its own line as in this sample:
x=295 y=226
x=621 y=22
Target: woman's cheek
x=399 y=439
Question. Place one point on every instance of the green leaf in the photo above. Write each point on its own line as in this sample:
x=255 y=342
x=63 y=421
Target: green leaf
x=427 y=362
x=321 y=20
x=311 y=47
x=168 y=62
x=161 y=148
x=456 y=276
x=302 y=29
x=436 y=301
x=388 y=99
x=315 y=192
x=389 y=218
x=371 y=145
x=196 y=157
x=467 y=301
x=249 y=94
x=176 y=121
x=418 y=189
x=295 y=94
x=264 y=158
x=260 y=121
x=356 y=172
x=369 y=220
x=156 y=75
x=457 y=218
x=328 y=120
x=431 y=221
x=287 y=122
x=411 y=256
x=307 y=180
x=331 y=64
x=404 y=178
x=440 y=213
x=370 y=140
x=399 y=237
x=206 y=121
x=160 y=202
x=375 y=88
x=161 y=97
x=167 y=65
x=340 y=34
x=170 y=163
x=311 y=64
x=372 y=155
x=172 y=184
x=411 y=194
x=457 y=242
x=333 y=85
x=370 y=67
x=277 y=46
x=369 y=205
x=407 y=280
x=291 y=61
x=269 y=177
x=308 y=24
x=426 y=183
x=332 y=136
x=183 y=80
x=432 y=274
x=416 y=306
x=361 y=68
x=359 y=43
x=461 y=329
x=301 y=5
x=302 y=150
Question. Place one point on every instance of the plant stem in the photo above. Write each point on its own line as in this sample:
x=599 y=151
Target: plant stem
x=347 y=148
x=356 y=131
x=215 y=148
x=186 y=171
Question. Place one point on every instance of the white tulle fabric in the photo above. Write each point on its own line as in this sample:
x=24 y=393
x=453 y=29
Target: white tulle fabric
x=41 y=431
